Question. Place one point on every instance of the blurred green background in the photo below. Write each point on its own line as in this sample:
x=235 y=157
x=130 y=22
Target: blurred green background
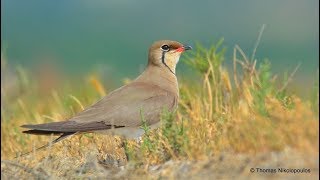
x=112 y=36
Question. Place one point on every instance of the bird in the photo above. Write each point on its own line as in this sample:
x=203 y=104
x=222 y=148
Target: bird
x=121 y=111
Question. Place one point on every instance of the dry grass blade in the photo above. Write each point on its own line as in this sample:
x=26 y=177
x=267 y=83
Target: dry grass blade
x=209 y=92
x=290 y=78
x=77 y=100
x=257 y=42
x=235 y=75
x=242 y=54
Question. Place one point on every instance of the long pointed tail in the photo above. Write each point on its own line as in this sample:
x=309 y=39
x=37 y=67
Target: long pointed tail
x=60 y=138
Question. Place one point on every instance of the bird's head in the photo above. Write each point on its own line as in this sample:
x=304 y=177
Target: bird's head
x=166 y=54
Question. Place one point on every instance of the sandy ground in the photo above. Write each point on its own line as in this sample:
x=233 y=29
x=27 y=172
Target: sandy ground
x=227 y=165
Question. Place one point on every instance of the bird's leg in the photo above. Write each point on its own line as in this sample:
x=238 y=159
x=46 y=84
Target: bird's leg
x=125 y=147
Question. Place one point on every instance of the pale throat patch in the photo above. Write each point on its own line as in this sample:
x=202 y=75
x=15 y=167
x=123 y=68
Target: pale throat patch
x=172 y=62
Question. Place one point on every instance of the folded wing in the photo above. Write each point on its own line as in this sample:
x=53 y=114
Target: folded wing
x=121 y=108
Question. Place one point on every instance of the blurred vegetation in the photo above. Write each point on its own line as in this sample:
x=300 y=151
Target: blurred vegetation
x=248 y=113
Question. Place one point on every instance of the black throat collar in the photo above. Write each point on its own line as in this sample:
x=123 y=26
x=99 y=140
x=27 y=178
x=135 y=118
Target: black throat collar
x=163 y=62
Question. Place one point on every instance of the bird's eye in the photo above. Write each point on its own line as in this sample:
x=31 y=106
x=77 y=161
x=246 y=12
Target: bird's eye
x=165 y=47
